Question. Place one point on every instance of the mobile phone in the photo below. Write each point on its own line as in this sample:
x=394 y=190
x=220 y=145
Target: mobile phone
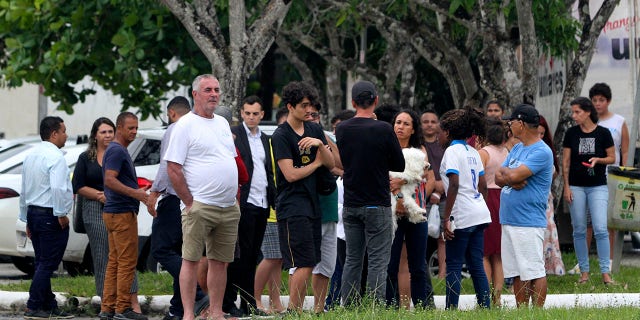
x=586 y=164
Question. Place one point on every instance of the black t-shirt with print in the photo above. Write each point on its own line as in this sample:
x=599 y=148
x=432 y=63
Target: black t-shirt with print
x=298 y=198
x=585 y=146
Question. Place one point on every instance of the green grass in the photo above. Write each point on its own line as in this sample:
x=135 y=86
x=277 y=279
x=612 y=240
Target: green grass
x=507 y=314
x=627 y=280
x=160 y=284
x=84 y=286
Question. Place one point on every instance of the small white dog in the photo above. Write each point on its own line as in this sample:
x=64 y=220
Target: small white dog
x=415 y=163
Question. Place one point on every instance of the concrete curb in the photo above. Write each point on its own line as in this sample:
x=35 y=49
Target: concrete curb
x=16 y=301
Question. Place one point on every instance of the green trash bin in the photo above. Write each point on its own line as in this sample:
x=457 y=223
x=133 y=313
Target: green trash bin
x=624 y=198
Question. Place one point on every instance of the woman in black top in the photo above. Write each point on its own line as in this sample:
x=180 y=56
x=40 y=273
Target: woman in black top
x=587 y=149
x=88 y=185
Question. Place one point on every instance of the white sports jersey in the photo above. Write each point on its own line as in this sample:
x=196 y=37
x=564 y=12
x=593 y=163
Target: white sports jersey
x=470 y=208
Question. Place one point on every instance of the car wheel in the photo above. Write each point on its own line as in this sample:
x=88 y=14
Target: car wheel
x=24 y=264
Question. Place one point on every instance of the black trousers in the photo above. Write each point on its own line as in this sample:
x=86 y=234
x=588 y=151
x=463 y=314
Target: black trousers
x=242 y=271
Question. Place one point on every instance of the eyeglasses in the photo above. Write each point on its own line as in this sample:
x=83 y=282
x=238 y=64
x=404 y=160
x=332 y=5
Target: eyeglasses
x=511 y=121
x=315 y=115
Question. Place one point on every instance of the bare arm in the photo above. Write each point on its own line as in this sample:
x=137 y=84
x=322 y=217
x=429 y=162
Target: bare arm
x=609 y=159
x=92 y=194
x=482 y=186
x=111 y=181
x=293 y=174
x=452 y=194
x=179 y=183
x=338 y=169
x=484 y=156
x=624 y=145
x=325 y=154
x=515 y=178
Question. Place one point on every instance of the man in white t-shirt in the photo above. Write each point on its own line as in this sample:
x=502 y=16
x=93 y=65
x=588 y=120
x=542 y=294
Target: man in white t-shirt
x=203 y=172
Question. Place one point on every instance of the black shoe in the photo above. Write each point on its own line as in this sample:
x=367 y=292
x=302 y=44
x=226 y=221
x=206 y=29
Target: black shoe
x=129 y=314
x=235 y=312
x=201 y=305
x=59 y=314
x=105 y=315
x=170 y=316
x=36 y=314
x=260 y=314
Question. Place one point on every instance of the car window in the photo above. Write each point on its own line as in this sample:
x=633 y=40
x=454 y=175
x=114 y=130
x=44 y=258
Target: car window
x=17 y=169
x=12 y=151
x=149 y=153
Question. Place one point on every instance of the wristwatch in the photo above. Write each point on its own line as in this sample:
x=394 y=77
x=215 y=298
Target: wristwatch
x=399 y=196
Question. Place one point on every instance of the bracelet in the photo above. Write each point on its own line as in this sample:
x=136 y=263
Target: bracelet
x=435 y=194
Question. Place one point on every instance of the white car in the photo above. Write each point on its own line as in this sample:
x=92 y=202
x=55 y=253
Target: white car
x=145 y=151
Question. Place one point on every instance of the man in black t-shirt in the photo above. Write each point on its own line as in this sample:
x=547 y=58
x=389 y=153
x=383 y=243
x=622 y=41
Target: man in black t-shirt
x=299 y=149
x=369 y=149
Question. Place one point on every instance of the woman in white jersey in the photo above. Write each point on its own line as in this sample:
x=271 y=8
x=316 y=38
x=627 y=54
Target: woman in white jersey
x=462 y=174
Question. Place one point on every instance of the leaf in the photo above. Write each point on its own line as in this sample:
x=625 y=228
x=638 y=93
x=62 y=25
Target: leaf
x=119 y=39
x=56 y=25
x=139 y=54
x=131 y=20
x=12 y=43
x=455 y=4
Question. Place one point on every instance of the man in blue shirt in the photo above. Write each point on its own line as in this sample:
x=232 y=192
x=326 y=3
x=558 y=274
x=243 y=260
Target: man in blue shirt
x=46 y=198
x=525 y=178
x=121 y=220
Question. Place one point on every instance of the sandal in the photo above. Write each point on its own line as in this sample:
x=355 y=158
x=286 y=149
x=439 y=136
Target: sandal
x=583 y=281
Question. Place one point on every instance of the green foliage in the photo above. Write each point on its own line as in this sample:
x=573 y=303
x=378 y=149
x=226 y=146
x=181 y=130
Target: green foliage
x=557 y=31
x=125 y=46
x=467 y=5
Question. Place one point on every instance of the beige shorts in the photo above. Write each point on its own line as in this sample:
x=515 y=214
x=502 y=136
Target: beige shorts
x=210 y=227
x=522 y=252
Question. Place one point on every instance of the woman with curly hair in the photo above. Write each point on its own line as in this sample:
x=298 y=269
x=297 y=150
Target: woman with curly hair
x=464 y=181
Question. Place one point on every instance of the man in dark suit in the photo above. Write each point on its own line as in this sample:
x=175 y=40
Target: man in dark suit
x=255 y=199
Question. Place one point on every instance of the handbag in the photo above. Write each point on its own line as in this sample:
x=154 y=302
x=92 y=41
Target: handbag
x=78 y=221
x=434 y=222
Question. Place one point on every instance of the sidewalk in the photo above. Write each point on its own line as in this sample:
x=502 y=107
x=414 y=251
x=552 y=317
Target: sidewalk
x=16 y=301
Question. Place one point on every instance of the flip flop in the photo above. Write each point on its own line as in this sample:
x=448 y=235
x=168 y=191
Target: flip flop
x=583 y=281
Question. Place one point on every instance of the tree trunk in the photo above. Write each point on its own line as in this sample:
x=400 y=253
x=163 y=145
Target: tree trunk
x=230 y=62
x=530 y=52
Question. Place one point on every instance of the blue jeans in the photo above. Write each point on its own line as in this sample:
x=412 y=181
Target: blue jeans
x=596 y=199
x=415 y=236
x=367 y=229
x=166 y=247
x=49 y=242
x=467 y=245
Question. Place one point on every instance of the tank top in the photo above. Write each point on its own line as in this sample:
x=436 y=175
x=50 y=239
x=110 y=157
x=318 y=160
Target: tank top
x=614 y=124
x=497 y=155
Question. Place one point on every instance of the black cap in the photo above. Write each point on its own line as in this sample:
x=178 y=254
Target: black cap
x=525 y=112
x=363 y=89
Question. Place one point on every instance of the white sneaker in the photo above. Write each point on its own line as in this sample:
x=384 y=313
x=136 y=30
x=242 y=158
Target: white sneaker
x=574 y=270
